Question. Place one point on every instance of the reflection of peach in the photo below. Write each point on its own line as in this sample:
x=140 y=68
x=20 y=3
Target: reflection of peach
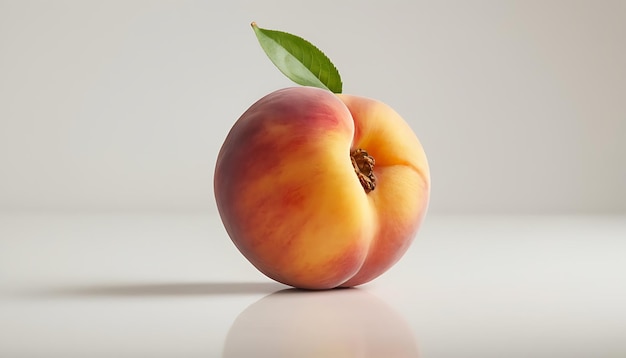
x=338 y=323
x=320 y=190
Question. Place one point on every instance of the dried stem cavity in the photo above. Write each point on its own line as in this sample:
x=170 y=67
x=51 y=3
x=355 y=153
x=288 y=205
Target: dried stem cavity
x=363 y=165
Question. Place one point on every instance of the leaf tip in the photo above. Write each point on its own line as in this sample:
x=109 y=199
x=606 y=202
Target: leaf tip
x=253 y=24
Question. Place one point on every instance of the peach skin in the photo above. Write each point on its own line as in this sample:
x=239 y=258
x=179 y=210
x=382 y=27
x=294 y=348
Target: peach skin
x=319 y=190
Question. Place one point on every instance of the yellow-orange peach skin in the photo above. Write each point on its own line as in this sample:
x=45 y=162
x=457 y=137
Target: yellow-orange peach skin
x=291 y=201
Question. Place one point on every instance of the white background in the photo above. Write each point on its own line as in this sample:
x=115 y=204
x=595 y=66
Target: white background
x=520 y=105
x=112 y=114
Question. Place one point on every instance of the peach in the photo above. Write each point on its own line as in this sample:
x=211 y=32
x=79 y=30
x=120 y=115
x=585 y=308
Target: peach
x=320 y=190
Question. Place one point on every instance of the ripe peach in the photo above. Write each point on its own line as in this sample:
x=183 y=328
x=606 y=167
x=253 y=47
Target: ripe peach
x=319 y=190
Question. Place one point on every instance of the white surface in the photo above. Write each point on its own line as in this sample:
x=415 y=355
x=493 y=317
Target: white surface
x=520 y=105
x=164 y=285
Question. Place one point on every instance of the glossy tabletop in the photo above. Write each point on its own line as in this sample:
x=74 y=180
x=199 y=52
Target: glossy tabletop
x=173 y=285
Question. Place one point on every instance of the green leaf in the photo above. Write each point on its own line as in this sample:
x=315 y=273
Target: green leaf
x=298 y=59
